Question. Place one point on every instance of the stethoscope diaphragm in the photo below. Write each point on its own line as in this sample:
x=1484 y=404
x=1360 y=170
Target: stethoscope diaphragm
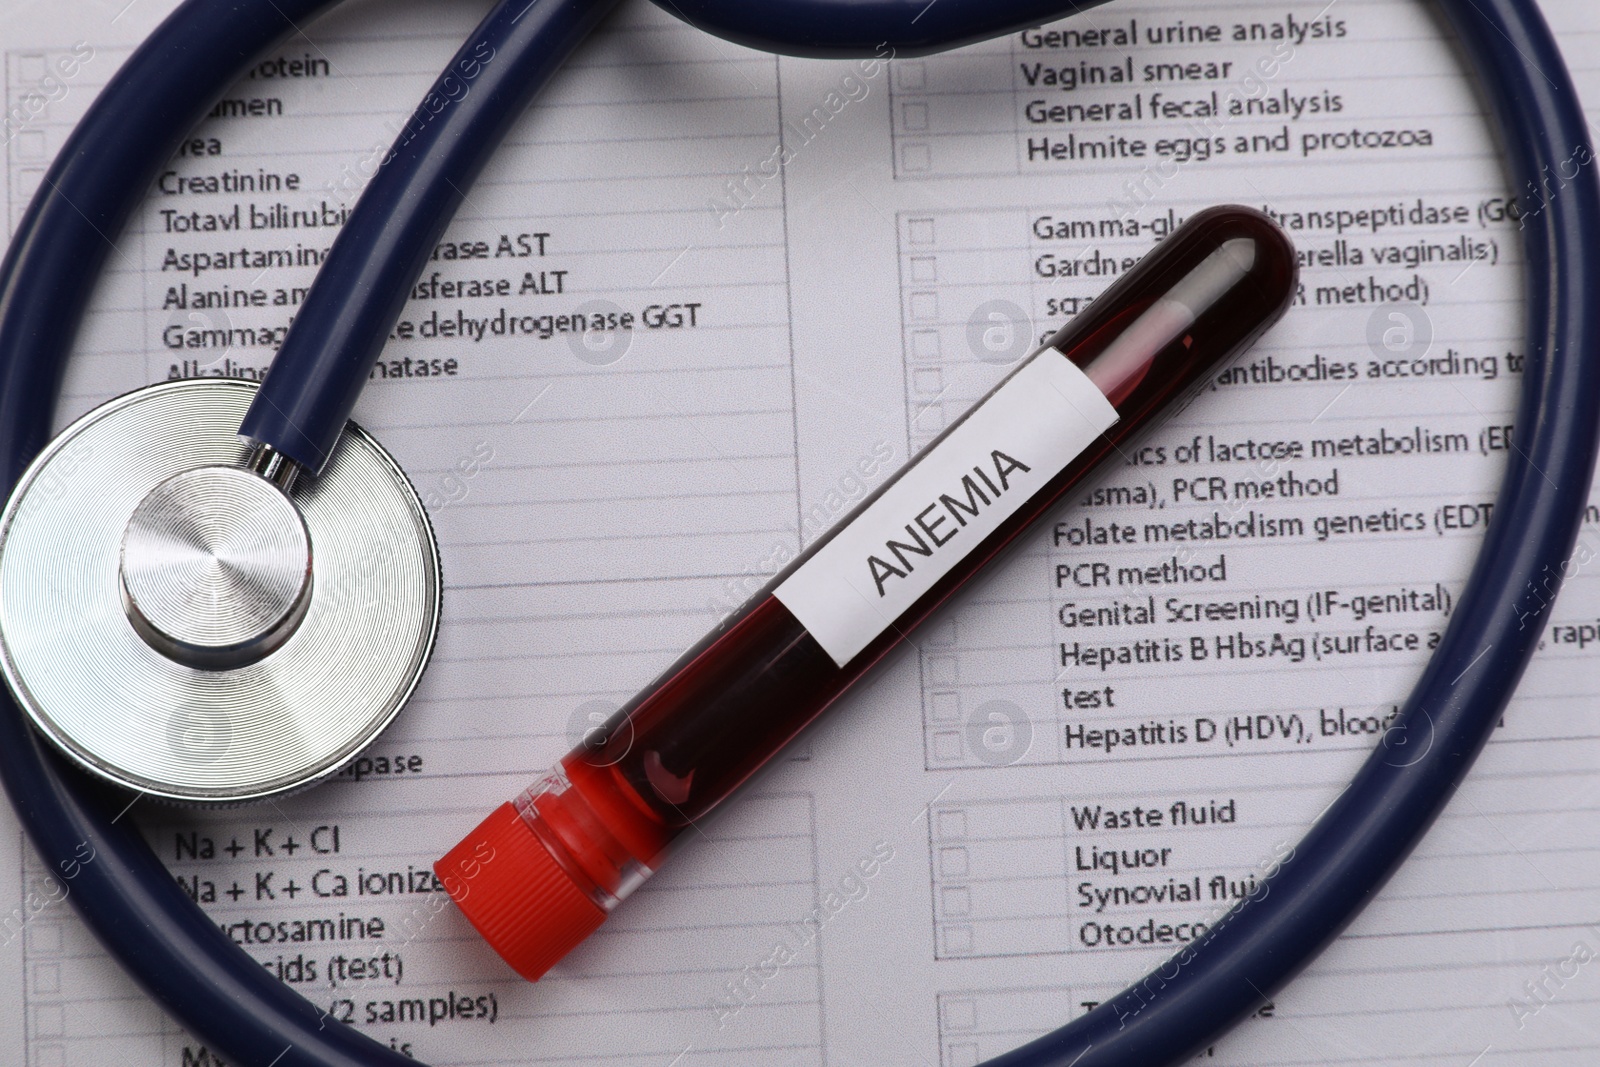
x=186 y=628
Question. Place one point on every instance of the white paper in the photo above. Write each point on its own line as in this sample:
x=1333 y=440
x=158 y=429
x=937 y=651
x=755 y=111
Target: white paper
x=828 y=263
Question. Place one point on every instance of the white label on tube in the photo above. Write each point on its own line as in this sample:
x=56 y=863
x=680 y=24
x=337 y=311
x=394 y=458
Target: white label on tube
x=943 y=505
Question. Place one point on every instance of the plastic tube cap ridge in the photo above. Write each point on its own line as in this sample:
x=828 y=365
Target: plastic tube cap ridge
x=516 y=895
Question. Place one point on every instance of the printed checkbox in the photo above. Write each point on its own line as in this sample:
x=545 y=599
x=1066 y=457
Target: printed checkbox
x=947 y=747
x=951 y=824
x=944 y=706
x=939 y=670
x=916 y=157
x=956 y=901
x=911 y=75
x=31 y=144
x=28 y=181
x=49 y=1020
x=44 y=938
x=914 y=117
x=929 y=419
x=924 y=269
x=927 y=381
x=925 y=306
x=924 y=344
x=961 y=1054
x=31 y=70
x=953 y=862
x=919 y=231
x=959 y=1014
x=46 y=979
x=957 y=940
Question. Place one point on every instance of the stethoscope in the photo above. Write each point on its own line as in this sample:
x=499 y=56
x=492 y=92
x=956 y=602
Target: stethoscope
x=130 y=900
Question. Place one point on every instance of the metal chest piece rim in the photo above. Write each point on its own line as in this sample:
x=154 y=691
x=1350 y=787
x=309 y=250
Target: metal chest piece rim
x=179 y=624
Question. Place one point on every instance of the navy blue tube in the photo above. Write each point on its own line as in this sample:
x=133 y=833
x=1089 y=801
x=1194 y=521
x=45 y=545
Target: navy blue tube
x=1361 y=840
x=363 y=285
x=124 y=893
x=130 y=901
x=176 y=952
x=848 y=28
x=98 y=181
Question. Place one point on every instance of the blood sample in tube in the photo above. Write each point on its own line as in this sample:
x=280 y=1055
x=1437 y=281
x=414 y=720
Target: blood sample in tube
x=542 y=872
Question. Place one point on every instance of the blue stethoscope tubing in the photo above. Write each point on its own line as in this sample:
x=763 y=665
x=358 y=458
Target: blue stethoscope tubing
x=181 y=957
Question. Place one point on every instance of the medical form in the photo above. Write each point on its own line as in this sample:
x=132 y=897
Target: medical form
x=702 y=303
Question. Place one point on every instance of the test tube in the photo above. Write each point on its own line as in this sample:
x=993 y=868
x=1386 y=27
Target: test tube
x=542 y=872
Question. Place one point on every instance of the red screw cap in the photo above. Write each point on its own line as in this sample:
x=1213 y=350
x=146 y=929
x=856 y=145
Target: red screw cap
x=517 y=896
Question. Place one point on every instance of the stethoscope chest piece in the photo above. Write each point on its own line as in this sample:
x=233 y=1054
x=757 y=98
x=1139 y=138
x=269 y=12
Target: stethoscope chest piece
x=182 y=625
